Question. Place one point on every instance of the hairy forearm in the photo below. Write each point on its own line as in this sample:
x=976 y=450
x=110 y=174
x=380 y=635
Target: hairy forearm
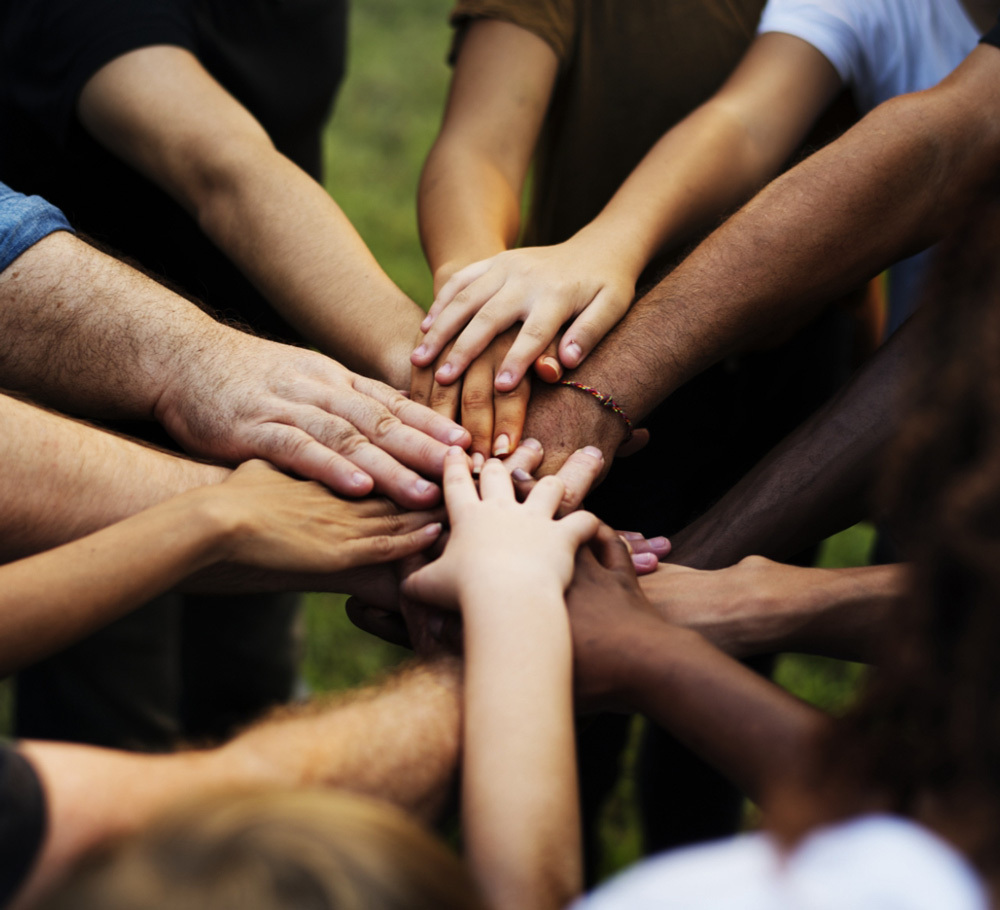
x=818 y=480
x=890 y=186
x=467 y=209
x=86 y=333
x=398 y=741
x=63 y=479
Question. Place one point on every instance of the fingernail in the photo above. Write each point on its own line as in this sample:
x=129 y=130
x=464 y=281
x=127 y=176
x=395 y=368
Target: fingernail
x=423 y=486
x=593 y=452
x=501 y=445
x=505 y=378
x=532 y=443
x=455 y=450
x=426 y=324
x=644 y=560
x=554 y=365
x=455 y=435
x=420 y=351
x=446 y=371
x=359 y=479
x=478 y=460
x=574 y=352
x=631 y=535
x=659 y=543
x=520 y=475
x=433 y=530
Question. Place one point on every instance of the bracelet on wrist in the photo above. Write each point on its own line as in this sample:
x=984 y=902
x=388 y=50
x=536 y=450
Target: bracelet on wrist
x=606 y=402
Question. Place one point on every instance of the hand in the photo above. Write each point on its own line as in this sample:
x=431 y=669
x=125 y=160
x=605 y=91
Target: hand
x=494 y=419
x=246 y=397
x=496 y=543
x=736 y=607
x=271 y=521
x=603 y=598
x=541 y=287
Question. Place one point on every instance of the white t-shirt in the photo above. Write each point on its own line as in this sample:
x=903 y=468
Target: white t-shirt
x=876 y=862
x=881 y=49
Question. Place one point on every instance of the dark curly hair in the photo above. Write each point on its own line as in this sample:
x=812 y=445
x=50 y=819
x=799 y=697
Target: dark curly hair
x=924 y=741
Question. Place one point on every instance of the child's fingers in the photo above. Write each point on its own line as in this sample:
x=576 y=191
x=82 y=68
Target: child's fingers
x=452 y=320
x=579 y=473
x=495 y=316
x=509 y=411
x=581 y=526
x=453 y=286
x=600 y=317
x=539 y=329
x=546 y=496
x=459 y=490
x=495 y=482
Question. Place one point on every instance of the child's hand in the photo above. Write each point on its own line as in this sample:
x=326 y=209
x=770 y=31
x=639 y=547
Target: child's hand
x=498 y=545
x=542 y=287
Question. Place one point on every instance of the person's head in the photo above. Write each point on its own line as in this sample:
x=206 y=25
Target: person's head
x=925 y=739
x=298 y=850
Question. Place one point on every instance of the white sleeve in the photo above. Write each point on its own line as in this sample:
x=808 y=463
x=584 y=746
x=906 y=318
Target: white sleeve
x=830 y=26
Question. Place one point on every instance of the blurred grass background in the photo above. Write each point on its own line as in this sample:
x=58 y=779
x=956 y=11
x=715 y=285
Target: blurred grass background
x=386 y=118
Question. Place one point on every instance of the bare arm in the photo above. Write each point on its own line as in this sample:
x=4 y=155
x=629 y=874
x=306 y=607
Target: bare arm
x=627 y=658
x=160 y=111
x=87 y=333
x=762 y=607
x=705 y=166
x=469 y=202
x=398 y=741
x=818 y=480
x=892 y=185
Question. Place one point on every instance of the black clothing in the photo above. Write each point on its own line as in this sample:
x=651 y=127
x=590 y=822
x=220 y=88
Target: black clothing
x=22 y=820
x=993 y=35
x=180 y=666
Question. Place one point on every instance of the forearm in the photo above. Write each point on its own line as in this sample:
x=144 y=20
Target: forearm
x=766 y=607
x=89 y=334
x=64 y=479
x=746 y=727
x=398 y=742
x=888 y=187
x=520 y=806
x=55 y=598
x=817 y=481
x=292 y=240
x=467 y=210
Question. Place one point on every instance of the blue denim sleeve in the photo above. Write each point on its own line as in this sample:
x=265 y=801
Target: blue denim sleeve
x=24 y=220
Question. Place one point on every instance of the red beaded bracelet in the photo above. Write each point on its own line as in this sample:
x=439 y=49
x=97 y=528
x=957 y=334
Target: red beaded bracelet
x=606 y=402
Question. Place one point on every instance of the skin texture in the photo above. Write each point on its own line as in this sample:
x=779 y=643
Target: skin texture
x=627 y=658
x=398 y=741
x=256 y=517
x=90 y=334
x=521 y=829
x=706 y=165
x=890 y=186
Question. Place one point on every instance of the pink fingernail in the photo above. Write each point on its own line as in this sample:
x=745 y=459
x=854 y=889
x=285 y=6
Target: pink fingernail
x=359 y=479
x=659 y=543
x=446 y=371
x=532 y=443
x=420 y=351
x=593 y=452
x=501 y=445
x=423 y=486
x=574 y=352
x=644 y=560
x=433 y=530
x=478 y=460
x=426 y=324
x=456 y=435
x=505 y=378
x=520 y=475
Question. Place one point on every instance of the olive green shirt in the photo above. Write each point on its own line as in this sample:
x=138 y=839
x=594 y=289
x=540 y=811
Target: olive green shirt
x=628 y=71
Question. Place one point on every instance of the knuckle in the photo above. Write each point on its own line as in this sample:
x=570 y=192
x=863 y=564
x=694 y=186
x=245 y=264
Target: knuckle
x=383 y=545
x=476 y=397
x=384 y=425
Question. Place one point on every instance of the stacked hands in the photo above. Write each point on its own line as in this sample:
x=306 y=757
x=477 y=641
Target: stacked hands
x=472 y=329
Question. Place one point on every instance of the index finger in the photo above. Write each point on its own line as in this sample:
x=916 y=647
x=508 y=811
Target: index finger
x=459 y=489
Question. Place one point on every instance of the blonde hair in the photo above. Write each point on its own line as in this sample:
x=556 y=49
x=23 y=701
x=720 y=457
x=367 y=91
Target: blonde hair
x=307 y=850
